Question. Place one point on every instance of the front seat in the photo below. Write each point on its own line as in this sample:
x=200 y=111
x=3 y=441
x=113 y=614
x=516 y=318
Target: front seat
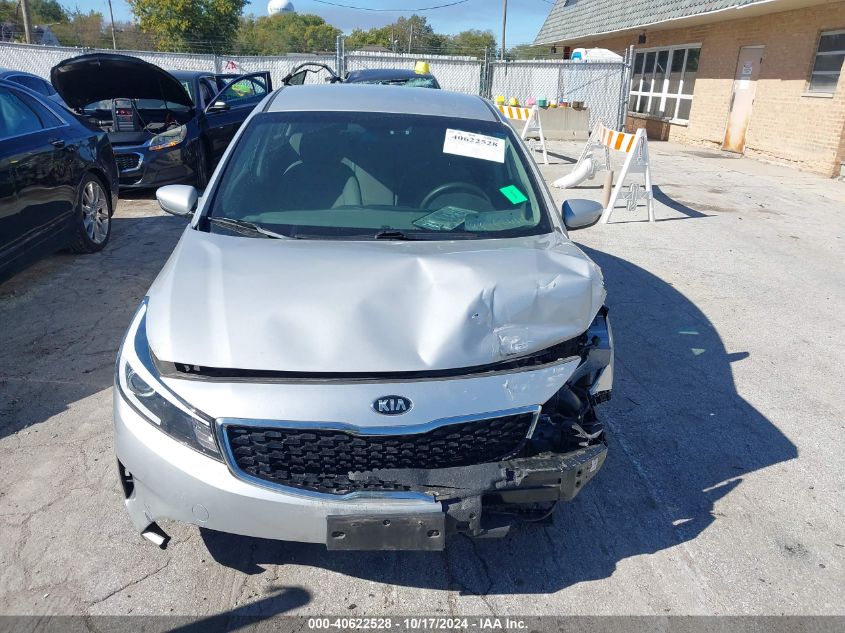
x=319 y=180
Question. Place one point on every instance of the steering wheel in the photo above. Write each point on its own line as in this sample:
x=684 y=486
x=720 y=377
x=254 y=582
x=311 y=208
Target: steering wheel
x=465 y=187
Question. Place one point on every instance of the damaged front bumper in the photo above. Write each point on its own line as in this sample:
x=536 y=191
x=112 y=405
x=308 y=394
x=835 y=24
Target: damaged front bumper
x=485 y=500
x=164 y=479
x=426 y=479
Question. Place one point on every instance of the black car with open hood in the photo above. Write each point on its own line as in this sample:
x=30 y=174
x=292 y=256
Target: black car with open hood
x=101 y=76
x=165 y=126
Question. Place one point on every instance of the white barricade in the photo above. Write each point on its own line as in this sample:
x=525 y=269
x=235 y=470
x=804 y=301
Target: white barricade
x=533 y=128
x=596 y=158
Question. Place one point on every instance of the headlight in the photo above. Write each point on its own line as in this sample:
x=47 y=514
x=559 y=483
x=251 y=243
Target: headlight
x=170 y=138
x=139 y=384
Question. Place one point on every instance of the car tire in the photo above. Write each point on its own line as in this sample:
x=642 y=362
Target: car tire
x=92 y=218
x=201 y=170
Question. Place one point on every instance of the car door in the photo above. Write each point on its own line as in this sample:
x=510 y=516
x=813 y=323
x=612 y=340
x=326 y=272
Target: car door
x=33 y=150
x=236 y=97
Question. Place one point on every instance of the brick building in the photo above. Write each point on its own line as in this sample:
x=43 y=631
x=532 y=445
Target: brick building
x=759 y=77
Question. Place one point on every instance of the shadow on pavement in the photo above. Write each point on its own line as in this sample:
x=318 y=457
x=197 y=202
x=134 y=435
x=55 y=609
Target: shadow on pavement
x=64 y=316
x=661 y=197
x=681 y=439
x=562 y=157
x=281 y=600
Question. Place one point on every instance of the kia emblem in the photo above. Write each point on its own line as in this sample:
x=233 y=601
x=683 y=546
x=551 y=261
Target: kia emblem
x=391 y=405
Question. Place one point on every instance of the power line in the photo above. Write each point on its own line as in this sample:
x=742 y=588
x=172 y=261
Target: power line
x=349 y=6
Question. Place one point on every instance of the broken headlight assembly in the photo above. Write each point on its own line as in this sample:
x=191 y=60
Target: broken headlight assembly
x=140 y=386
x=568 y=420
x=170 y=138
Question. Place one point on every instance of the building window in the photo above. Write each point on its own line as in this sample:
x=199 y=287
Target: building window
x=828 y=63
x=663 y=80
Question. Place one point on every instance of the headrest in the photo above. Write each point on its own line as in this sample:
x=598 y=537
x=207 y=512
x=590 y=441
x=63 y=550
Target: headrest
x=322 y=146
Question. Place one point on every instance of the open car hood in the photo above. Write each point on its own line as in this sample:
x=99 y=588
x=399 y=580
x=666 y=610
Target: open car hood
x=98 y=76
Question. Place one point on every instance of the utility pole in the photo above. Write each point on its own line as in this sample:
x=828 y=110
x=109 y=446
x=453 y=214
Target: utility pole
x=504 y=25
x=410 y=38
x=27 y=23
x=113 y=38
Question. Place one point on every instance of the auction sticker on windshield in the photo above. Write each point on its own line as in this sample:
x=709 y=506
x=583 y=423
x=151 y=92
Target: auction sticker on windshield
x=474 y=145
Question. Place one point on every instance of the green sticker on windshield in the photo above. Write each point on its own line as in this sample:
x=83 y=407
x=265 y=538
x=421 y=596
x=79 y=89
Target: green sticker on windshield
x=513 y=194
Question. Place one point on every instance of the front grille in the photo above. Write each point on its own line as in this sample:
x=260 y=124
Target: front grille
x=321 y=460
x=128 y=162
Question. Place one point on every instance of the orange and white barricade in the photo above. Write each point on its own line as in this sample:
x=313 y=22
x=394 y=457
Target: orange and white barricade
x=533 y=128
x=596 y=157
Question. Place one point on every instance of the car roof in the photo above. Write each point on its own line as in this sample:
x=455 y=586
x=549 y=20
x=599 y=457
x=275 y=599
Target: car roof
x=341 y=97
x=5 y=72
x=386 y=73
x=190 y=74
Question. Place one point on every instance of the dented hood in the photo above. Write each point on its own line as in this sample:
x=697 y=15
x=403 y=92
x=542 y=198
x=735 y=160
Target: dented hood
x=385 y=306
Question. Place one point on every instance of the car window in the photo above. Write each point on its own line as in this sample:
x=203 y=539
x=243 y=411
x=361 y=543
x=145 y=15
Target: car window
x=189 y=88
x=141 y=104
x=340 y=174
x=241 y=90
x=48 y=118
x=16 y=117
x=208 y=91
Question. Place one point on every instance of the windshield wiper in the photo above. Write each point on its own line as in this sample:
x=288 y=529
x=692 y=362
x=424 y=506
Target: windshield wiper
x=392 y=234
x=244 y=226
x=395 y=234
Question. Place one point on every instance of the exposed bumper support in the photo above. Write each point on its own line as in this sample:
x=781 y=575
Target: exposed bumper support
x=482 y=500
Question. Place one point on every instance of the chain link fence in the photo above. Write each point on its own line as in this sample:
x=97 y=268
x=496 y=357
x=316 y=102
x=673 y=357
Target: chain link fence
x=601 y=86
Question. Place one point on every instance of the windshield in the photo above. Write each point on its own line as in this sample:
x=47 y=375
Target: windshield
x=410 y=82
x=336 y=175
x=140 y=104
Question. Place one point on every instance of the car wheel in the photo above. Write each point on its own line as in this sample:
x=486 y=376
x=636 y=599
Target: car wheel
x=93 y=221
x=201 y=167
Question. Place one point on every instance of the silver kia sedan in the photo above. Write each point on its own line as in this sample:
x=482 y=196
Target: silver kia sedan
x=375 y=332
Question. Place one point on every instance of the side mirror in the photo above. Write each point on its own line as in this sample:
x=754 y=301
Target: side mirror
x=579 y=213
x=218 y=106
x=179 y=200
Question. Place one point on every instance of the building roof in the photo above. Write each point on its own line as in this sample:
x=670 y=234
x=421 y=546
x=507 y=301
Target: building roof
x=373 y=98
x=573 y=19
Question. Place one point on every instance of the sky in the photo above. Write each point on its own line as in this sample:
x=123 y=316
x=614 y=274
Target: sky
x=525 y=17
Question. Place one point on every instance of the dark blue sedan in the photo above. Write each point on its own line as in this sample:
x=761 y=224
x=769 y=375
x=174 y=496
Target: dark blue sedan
x=165 y=127
x=58 y=180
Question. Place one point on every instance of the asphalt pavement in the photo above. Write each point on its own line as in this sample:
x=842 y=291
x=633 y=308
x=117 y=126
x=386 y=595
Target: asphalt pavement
x=723 y=489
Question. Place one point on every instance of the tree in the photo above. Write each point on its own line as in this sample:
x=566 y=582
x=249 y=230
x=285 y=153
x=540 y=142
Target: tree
x=47 y=12
x=130 y=37
x=529 y=51
x=286 y=33
x=81 y=29
x=413 y=34
x=189 y=25
x=472 y=42
x=8 y=11
x=359 y=38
